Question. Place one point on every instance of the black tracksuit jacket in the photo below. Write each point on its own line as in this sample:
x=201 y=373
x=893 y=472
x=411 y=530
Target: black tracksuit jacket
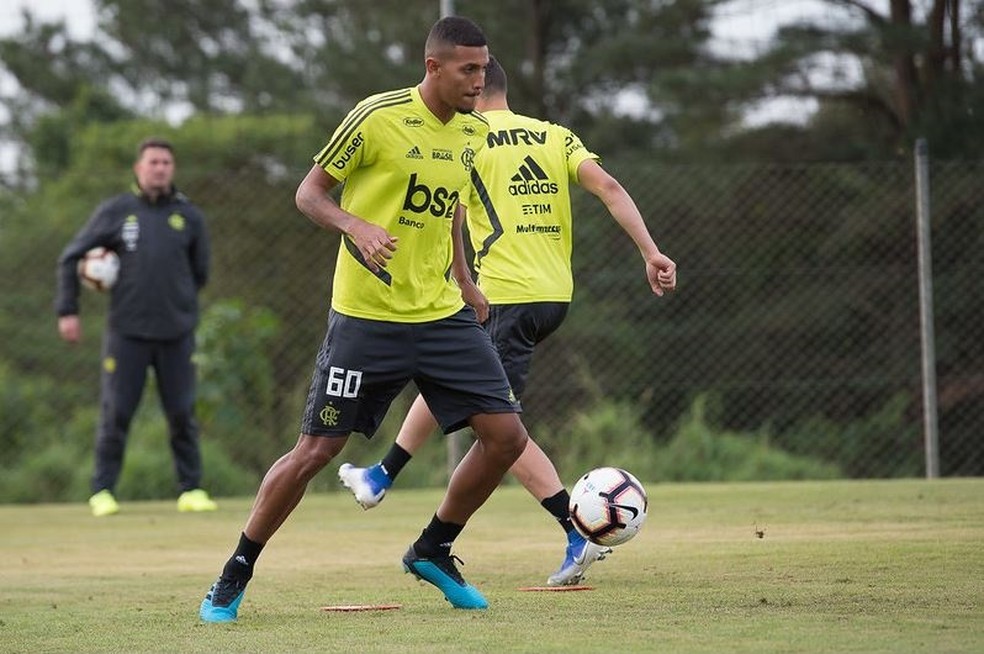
x=164 y=260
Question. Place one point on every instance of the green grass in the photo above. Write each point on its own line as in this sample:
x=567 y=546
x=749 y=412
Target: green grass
x=876 y=566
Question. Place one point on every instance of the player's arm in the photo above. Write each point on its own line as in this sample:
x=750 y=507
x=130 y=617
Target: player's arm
x=312 y=199
x=470 y=292
x=660 y=269
x=95 y=232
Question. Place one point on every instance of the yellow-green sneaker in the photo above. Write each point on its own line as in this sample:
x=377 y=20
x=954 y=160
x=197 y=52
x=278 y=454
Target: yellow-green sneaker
x=103 y=503
x=196 y=500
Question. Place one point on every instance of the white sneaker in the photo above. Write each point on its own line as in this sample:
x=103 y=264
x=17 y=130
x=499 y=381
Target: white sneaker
x=368 y=485
x=580 y=554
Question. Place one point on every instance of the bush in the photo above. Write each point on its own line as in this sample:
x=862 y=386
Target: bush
x=237 y=394
x=701 y=452
x=611 y=433
x=884 y=443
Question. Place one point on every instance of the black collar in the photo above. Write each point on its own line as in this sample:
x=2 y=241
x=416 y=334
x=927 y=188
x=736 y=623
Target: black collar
x=163 y=198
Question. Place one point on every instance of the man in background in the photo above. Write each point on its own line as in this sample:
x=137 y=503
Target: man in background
x=162 y=243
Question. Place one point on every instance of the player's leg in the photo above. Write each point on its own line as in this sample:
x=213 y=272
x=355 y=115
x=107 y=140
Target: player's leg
x=122 y=380
x=285 y=482
x=350 y=391
x=463 y=382
x=500 y=439
x=537 y=473
x=369 y=485
x=516 y=330
x=176 y=384
x=281 y=490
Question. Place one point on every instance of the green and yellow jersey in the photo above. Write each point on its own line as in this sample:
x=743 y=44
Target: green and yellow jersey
x=405 y=171
x=519 y=214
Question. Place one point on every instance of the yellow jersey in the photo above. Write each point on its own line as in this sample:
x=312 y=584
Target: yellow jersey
x=519 y=213
x=406 y=171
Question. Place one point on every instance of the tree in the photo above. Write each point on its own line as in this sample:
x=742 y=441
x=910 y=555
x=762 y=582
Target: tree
x=63 y=87
x=625 y=74
x=212 y=55
x=916 y=73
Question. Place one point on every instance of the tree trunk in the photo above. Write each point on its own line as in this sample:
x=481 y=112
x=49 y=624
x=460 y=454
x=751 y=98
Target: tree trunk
x=539 y=25
x=904 y=64
x=956 y=54
x=936 y=54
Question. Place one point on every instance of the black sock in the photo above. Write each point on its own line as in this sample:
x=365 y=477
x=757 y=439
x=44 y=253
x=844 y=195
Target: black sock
x=559 y=507
x=240 y=564
x=436 y=538
x=395 y=459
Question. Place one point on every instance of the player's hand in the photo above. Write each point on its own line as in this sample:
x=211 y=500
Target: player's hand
x=374 y=243
x=474 y=298
x=70 y=328
x=661 y=273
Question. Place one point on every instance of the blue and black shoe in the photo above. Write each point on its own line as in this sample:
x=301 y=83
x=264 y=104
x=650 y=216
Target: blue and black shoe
x=221 y=603
x=440 y=571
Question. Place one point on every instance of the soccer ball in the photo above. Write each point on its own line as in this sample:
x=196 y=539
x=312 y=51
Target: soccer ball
x=608 y=506
x=99 y=268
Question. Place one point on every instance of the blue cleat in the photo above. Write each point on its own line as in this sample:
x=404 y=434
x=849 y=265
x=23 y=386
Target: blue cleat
x=580 y=554
x=368 y=485
x=440 y=571
x=221 y=603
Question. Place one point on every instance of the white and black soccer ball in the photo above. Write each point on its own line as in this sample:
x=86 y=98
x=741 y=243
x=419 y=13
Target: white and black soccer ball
x=608 y=506
x=99 y=269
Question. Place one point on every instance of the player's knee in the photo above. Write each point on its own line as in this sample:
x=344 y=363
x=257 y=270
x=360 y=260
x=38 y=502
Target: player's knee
x=505 y=435
x=316 y=452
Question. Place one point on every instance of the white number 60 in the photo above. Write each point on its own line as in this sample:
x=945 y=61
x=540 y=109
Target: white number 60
x=343 y=383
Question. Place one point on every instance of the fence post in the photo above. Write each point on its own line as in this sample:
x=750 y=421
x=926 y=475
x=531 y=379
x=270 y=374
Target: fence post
x=930 y=425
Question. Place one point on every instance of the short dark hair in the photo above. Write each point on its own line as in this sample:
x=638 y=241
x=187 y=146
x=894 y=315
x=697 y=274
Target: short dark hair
x=451 y=31
x=495 y=78
x=154 y=142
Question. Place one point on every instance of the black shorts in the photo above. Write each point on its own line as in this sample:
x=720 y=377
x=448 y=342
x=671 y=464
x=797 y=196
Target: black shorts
x=363 y=364
x=515 y=330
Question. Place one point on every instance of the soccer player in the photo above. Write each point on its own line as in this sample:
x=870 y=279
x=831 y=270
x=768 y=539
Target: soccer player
x=162 y=243
x=396 y=310
x=519 y=221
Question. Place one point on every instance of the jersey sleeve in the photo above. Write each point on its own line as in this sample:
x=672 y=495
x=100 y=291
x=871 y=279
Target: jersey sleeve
x=575 y=153
x=346 y=150
x=98 y=231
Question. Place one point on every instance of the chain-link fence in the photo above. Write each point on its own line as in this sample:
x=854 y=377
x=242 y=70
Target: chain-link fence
x=791 y=349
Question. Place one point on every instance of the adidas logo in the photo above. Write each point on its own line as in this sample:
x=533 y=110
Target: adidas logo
x=531 y=179
x=414 y=153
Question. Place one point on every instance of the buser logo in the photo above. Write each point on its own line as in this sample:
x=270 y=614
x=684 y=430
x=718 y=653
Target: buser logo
x=439 y=202
x=531 y=180
x=348 y=152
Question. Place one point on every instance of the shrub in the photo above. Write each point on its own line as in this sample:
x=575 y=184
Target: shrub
x=701 y=452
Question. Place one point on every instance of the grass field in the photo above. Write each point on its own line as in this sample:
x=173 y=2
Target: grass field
x=876 y=566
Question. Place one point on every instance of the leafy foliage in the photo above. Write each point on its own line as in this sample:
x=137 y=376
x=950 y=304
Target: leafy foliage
x=612 y=433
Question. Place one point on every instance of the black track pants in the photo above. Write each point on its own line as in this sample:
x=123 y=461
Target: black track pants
x=124 y=373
